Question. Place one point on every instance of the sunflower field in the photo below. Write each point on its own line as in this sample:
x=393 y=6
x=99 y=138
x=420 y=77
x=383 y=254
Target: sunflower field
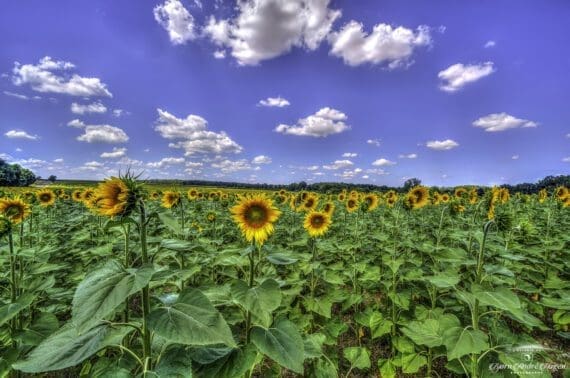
x=131 y=280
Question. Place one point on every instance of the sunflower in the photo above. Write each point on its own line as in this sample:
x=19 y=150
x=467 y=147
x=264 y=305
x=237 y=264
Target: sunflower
x=328 y=208
x=504 y=195
x=341 y=196
x=417 y=197
x=445 y=198
x=372 y=201
x=255 y=216
x=435 y=198
x=211 y=217
x=473 y=196
x=566 y=202
x=170 y=199
x=77 y=195
x=5 y=226
x=542 y=195
x=351 y=205
x=155 y=196
x=116 y=196
x=317 y=223
x=14 y=209
x=353 y=194
x=561 y=192
x=460 y=192
x=46 y=197
x=310 y=202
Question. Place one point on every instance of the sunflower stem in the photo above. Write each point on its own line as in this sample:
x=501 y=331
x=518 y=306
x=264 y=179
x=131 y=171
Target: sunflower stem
x=145 y=290
x=251 y=282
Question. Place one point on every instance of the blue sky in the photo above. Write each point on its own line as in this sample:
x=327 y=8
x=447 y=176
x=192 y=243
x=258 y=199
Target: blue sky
x=452 y=92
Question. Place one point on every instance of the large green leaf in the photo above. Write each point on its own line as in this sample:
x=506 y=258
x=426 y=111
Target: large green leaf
x=462 y=341
x=10 y=310
x=232 y=365
x=44 y=325
x=261 y=300
x=68 y=347
x=175 y=363
x=192 y=320
x=359 y=357
x=105 y=289
x=411 y=363
x=282 y=343
x=425 y=332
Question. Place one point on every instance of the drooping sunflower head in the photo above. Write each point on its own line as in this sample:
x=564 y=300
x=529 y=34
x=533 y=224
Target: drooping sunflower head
x=504 y=195
x=14 y=209
x=255 y=216
x=46 y=197
x=436 y=198
x=170 y=199
x=417 y=197
x=77 y=195
x=351 y=204
x=473 y=196
x=561 y=192
x=211 y=216
x=117 y=196
x=317 y=223
x=566 y=202
x=371 y=201
x=542 y=195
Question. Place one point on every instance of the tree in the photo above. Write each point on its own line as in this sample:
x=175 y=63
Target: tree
x=52 y=178
x=410 y=183
x=15 y=175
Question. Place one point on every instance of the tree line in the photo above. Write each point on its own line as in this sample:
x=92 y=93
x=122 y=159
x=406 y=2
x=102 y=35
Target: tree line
x=15 y=175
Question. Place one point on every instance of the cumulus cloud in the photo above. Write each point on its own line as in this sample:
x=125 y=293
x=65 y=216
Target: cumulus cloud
x=501 y=122
x=116 y=153
x=278 y=102
x=96 y=107
x=393 y=46
x=339 y=164
x=176 y=20
x=52 y=76
x=20 y=134
x=265 y=29
x=230 y=166
x=442 y=145
x=349 y=173
x=102 y=134
x=490 y=44
x=459 y=75
x=408 y=156
x=325 y=122
x=261 y=159
x=76 y=123
x=349 y=154
x=382 y=162
x=166 y=162
x=192 y=135
x=374 y=142
x=566 y=159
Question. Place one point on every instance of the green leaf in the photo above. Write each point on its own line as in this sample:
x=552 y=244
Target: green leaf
x=67 y=347
x=359 y=357
x=44 y=325
x=105 y=289
x=282 y=343
x=324 y=368
x=460 y=342
x=261 y=300
x=281 y=258
x=10 y=310
x=175 y=363
x=411 y=363
x=314 y=345
x=170 y=222
x=321 y=306
x=443 y=281
x=192 y=320
x=233 y=365
x=426 y=333
x=387 y=368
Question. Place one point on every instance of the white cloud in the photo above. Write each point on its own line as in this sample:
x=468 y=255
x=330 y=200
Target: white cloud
x=116 y=153
x=515 y=157
x=386 y=44
x=566 y=159
x=119 y=113
x=76 y=123
x=442 y=145
x=229 y=166
x=92 y=166
x=349 y=154
x=43 y=77
x=261 y=159
x=274 y=102
x=103 y=134
x=192 y=135
x=18 y=149
x=374 y=142
x=568 y=135
x=458 y=75
x=325 y=122
x=489 y=44
x=408 y=156
x=176 y=20
x=349 y=174
x=382 y=162
x=16 y=95
x=20 y=134
x=265 y=29
x=219 y=54
x=166 y=162
x=339 y=164
x=366 y=177
x=58 y=160
x=193 y=164
x=96 y=107
x=502 y=121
